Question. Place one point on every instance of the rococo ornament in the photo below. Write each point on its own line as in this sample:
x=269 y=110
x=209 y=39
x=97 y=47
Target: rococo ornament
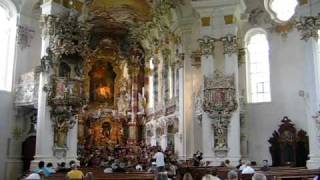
x=67 y=35
x=230 y=44
x=206 y=45
x=219 y=102
x=309 y=26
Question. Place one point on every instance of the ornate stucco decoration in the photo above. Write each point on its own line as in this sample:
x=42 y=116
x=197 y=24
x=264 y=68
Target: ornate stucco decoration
x=27 y=89
x=219 y=102
x=259 y=16
x=206 y=45
x=308 y=27
x=230 y=44
x=67 y=35
x=25 y=35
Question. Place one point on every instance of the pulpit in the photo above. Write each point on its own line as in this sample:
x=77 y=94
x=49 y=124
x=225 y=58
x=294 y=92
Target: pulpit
x=289 y=147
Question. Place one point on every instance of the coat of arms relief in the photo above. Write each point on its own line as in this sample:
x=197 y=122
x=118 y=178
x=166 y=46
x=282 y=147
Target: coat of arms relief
x=220 y=102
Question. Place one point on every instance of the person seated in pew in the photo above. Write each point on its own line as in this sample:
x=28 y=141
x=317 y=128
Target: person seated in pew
x=108 y=169
x=247 y=169
x=265 y=166
x=232 y=175
x=43 y=169
x=212 y=175
x=240 y=164
x=62 y=168
x=259 y=176
x=50 y=168
x=74 y=173
x=36 y=175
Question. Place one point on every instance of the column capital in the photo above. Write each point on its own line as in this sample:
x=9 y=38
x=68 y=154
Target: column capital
x=206 y=44
x=230 y=44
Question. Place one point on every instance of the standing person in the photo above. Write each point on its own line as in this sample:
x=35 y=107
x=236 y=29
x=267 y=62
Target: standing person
x=159 y=156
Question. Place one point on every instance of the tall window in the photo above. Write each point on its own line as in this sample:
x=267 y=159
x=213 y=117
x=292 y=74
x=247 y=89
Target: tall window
x=258 y=74
x=7 y=45
x=281 y=10
x=151 y=83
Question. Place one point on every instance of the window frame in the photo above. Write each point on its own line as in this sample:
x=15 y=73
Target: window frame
x=9 y=68
x=248 y=36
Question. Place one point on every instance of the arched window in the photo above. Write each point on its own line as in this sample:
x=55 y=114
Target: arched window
x=151 y=85
x=258 y=73
x=281 y=10
x=7 y=45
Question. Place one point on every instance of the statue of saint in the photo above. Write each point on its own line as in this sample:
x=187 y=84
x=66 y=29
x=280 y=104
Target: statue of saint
x=46 y=61
x=220 y=131
x=61 y=131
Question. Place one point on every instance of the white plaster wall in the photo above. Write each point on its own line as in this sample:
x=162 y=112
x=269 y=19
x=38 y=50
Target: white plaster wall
x=29 y=57
x=5 y=119
x=287 y=79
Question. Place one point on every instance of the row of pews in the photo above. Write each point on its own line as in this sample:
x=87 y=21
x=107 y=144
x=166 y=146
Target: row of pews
x=98 y=174
x=275 y=173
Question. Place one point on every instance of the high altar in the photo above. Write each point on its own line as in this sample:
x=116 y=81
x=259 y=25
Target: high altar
x=119 y=72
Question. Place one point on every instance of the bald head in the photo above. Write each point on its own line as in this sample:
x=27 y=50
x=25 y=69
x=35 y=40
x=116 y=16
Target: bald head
x=259 y=176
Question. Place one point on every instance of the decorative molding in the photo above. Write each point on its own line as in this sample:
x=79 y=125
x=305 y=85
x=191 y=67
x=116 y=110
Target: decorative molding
x=25 y=35
x=230 y=44
x=206 y=45
x=308 y=26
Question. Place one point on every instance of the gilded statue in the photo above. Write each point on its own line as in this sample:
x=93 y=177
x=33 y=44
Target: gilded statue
x=62 y=125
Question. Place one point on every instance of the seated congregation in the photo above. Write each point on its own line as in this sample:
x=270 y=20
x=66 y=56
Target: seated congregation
x=151 y=163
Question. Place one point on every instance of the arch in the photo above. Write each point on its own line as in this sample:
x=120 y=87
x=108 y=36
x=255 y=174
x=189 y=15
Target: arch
x=257 y=66
x=7 y=48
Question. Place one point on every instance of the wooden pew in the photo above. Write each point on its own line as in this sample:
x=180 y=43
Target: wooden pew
x=99 y=175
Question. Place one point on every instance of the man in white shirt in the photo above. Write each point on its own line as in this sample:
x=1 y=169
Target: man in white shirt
x=247 y=169
x=159 y=156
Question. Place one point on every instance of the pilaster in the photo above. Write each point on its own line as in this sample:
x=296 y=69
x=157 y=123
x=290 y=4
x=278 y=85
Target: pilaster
x=218 y=26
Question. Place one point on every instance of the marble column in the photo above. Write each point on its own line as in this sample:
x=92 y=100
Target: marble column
x=312 y=84
x=45 y=134
x=134 y=106
x=207 y=68
x=231 y=68
x=179 y=144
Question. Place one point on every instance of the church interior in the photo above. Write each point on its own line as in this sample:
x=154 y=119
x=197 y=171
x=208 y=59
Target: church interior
x=213 y=85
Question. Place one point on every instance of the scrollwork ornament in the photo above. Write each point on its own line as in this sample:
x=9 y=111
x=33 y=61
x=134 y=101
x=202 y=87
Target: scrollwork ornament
x=206 y=45
x=308 y=27
x=230 y=44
